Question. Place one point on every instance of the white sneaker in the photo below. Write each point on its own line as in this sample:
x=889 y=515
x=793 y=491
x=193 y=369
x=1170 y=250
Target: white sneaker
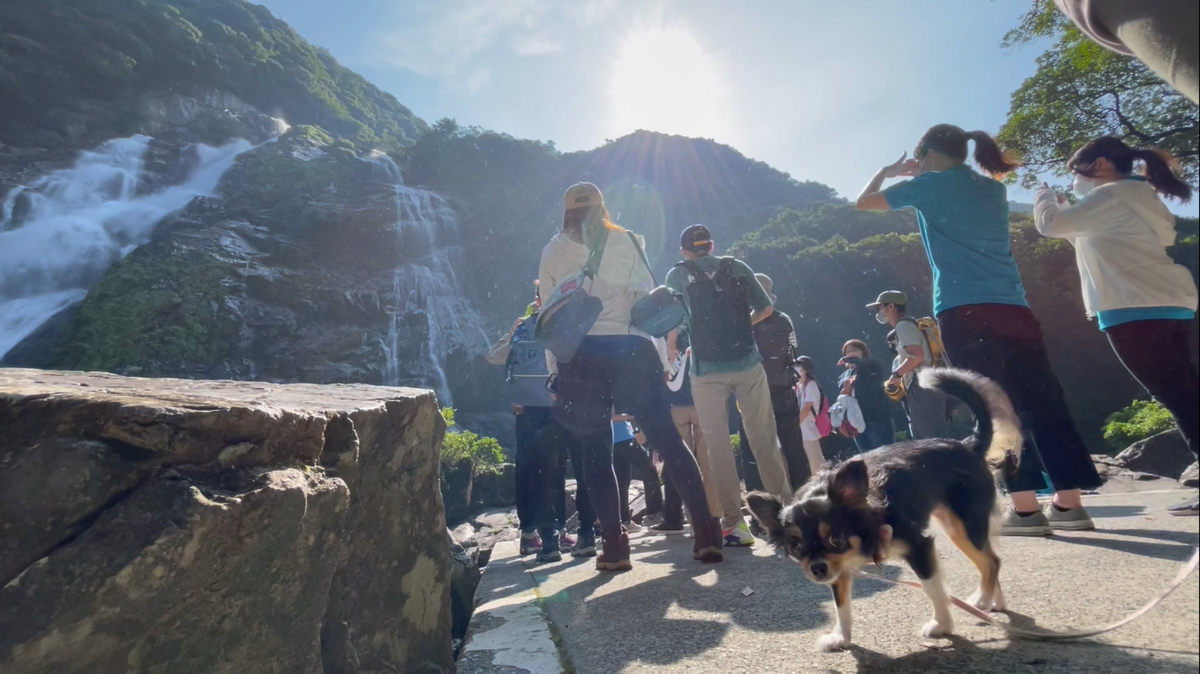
x=632 y=527
x=739 y=536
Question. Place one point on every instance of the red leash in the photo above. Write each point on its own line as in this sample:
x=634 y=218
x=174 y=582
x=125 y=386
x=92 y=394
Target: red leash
x=1049 y=635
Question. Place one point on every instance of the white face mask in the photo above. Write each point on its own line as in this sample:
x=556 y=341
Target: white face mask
x=1083 y=185
x=880 y=318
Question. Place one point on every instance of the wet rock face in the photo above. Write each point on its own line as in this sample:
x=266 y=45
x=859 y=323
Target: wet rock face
x=182 y=526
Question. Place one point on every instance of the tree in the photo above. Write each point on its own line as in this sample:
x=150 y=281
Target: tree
x=1081 y=91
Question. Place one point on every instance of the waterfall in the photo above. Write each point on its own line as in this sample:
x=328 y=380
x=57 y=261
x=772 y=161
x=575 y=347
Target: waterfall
x=429 y=317
x=61 y=232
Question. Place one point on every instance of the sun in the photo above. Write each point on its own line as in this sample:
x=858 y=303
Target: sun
x=663 y=80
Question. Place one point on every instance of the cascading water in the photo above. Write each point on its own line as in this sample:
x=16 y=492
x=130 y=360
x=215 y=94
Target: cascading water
x=430 y=317
x=60 y=233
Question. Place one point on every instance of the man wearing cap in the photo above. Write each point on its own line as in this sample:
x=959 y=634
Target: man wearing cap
x=775 y=337
x=927 y=410
x=724 y=302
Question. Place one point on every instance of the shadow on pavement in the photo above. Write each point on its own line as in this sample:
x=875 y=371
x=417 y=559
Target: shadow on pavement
x=1176 y=546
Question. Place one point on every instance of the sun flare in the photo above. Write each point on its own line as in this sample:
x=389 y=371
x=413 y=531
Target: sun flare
x=664 y=81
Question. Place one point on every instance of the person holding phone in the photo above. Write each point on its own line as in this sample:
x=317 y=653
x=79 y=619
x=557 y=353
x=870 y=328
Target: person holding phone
x=864 y=379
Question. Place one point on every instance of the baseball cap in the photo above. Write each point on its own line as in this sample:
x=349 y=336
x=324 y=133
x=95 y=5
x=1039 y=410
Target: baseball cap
x=765 y=282
x=582 y=195
x=696 y=239
x=889 y=297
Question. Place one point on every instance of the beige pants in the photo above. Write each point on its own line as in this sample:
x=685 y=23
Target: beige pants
x=816 y=460
x=687 y=422
x=711 y=393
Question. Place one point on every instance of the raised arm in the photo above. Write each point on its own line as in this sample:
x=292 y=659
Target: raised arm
x=872 y=197
x=1057 y=220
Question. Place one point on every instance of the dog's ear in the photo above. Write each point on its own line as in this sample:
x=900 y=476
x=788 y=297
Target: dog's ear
x=766 y=508
x=849 y=483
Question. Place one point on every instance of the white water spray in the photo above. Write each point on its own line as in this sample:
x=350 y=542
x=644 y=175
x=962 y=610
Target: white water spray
x=428 y=303
x=74 y=223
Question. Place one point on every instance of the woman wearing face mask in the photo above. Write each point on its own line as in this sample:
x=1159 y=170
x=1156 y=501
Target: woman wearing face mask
x=985 y=322
x=1144 y=302
x=864 y=379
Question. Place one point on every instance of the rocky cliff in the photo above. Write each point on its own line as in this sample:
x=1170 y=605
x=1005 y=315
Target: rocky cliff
x=181 y=526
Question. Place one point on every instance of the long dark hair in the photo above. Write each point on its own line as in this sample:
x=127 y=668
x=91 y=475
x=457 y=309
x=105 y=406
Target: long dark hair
x=1161 y=168
x=951 y=141
x=810 y=368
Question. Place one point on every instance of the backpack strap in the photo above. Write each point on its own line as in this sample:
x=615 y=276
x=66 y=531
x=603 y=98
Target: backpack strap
x=642 y=253
x=694 y=268
x=596 y=252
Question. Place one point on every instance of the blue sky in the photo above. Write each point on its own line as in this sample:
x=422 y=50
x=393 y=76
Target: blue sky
x=826 y=91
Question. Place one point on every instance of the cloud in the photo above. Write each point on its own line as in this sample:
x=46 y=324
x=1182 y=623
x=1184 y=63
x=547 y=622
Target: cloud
x=443 y=40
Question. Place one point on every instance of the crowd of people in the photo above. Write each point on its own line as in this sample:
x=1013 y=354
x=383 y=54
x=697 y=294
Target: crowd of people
x=614 y=395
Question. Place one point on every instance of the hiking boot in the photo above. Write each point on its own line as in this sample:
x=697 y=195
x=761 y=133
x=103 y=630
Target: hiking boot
x=738 y=536
x=530 y=543
x=615 y=556
x=1013 y=523
x=707 y=536
x=549 y=552
x=666 y=529
x=1075 y=519
x=566 y=542
x=585 y=546
x=1185 y=509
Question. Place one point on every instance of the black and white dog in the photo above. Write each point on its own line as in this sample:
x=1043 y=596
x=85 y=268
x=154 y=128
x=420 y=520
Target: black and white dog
x=879 y=504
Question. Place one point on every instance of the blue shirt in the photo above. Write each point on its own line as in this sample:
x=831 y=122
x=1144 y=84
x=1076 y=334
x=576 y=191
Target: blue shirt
x=1115 y=317
x=963 y=218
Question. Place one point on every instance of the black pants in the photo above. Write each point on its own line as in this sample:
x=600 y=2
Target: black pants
x=1004 y=343
x=628 y=456
x=791 y=442
x=543 y=446
x=625 y=374
x=1159 y=357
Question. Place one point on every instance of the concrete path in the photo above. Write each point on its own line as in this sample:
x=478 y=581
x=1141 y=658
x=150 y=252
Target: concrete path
x=671 y=614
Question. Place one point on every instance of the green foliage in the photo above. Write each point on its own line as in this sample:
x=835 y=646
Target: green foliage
x=1138 y=421
x=485 y=454
x=1082 y=91
x=76 y=72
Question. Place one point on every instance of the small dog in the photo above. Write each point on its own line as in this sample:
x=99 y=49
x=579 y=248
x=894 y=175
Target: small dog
x=879 y=504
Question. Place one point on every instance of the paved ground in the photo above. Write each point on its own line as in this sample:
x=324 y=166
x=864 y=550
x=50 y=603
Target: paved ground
x=671 y=614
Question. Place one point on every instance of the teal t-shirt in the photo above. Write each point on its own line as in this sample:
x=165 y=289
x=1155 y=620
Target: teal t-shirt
x=1115 y=317
x=677 y=280
x=963 y=218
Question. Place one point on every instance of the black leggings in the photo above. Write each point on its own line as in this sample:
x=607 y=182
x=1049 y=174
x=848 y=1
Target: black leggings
x=1003 y=342
x=622 y=373
x=627 y=457
x=1159 y=357
x=543 y=447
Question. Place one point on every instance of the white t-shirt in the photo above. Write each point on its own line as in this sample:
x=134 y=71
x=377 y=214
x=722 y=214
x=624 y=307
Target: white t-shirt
x=810 y=393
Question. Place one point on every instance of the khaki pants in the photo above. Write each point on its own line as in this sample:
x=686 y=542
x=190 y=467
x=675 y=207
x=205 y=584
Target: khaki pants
x=711 y=393
x=687 y=422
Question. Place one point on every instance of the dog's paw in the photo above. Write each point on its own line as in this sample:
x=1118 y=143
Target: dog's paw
x=994 y=604
x=937 y=628
x=834 y=641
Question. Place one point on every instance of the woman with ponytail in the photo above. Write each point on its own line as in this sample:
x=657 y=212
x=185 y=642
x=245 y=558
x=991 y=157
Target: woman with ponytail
x=985 y=322
x=1142 y=300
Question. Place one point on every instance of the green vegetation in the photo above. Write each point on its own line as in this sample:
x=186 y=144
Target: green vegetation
x=485 y=454
x=1081 y=91
x=1138 y=421
x=75 y=72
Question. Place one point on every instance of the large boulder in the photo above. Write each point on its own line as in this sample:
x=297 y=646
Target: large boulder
x=201 y=526
x=1165 y=454
x=1191 y=476
x=495 y=488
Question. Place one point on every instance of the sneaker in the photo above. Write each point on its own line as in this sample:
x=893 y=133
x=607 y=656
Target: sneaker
x=1185 y=509
x=530 y=543
x=566 y=542
x=549 y=552
x=651 y=521
x=585 y=546
x=615 y=556
x=738 y=536
x=666 y=529
x=1075 y=519
x=1015 y=524
x=632 y=527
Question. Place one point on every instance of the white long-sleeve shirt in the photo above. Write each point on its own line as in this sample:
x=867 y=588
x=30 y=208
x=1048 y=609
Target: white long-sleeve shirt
x=1120 y=232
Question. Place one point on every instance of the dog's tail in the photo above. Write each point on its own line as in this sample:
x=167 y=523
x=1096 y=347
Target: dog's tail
x=997 y=429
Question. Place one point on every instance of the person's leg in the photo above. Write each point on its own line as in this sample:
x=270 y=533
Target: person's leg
x=622 y=469
x=754 y=399
x=816 y=458
x=791 y=443
x=926 y=412
x=711 y=393
x=699 y=448
x=641 y=462
x=640 y=389
x=749 y=466
x=1156 y=354
x=525 y=462
x=1161 y=33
